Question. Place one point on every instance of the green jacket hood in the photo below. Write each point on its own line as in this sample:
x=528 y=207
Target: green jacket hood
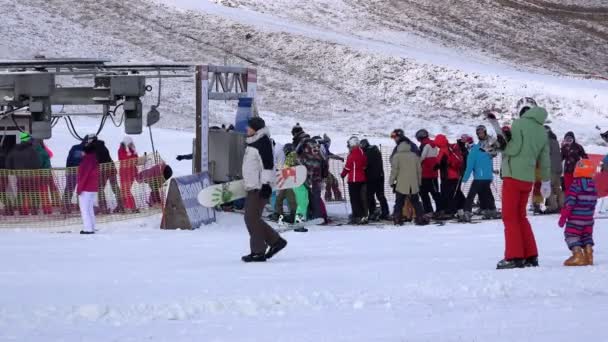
x=538 y=114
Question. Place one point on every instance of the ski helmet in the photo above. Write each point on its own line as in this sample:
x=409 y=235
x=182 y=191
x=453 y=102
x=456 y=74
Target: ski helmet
x=422 y=134
x=397 y=133
x=467 y=139
x=524 y=104
x=481 y=128
x=353 y=141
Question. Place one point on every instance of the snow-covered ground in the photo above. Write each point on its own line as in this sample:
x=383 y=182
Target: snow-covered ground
x=133 y=282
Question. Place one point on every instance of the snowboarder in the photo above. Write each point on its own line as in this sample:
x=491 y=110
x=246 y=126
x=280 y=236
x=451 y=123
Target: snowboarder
x=285 y=194
x=405 y=179
x=528 y=145
x=331 y=182
x=375 y=181
x=429 y=162
x=572 y=152
x=556 y=201
x=127 y=155
x=310 y=156
x=354 y=168
x=88 y=183
x=479 y=163
x=577 y=215
x=258 y=175
x=450 y=164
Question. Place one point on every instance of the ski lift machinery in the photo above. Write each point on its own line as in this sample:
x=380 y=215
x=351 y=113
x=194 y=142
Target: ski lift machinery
x=32 y=88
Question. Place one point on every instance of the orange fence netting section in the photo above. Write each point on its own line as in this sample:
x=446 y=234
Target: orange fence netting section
x=47 y=198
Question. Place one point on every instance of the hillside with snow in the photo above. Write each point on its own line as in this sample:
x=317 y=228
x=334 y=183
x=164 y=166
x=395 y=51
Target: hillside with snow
x=340 y=63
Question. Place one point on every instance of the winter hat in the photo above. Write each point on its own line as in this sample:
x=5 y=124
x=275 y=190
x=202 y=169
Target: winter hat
x=256 y=123
x=364 y=143
x=24 y=137
x=353 y=141
x=296 y=129
x=570 y=134
x=127 y=140
x=584 y=169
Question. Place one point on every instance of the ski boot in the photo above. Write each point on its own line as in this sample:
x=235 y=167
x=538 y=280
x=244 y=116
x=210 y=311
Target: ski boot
x=505 y=264
x=467 y=217
x=537 y=210
x=364 y=220
x=490 y=215
x=531 y=261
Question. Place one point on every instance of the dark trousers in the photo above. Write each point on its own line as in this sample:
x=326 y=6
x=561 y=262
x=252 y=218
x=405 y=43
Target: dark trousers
x=400 y=200
x=314 y=201
x=375 y=189
x=448 y=195
x=261 y=235
x=291 y=201
x=358 y=199
x=482 y=189
x=430 y=186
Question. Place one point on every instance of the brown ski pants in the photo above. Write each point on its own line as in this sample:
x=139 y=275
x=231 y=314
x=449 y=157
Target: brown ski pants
x=261 y=235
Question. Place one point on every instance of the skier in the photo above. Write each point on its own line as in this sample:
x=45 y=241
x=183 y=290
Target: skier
x=354 y=168
x=577 y=215
x=108 y=173
x=375 y=181
x=127 y=155
x=405 y=179
x=479 y=163
x=258 y=176
x=450 y=164
x=556 y=201
x=331 y=182
x=75 y=156
x=398 y=137
x=300 y=192
x=572 y=152
x=528 y=145
x=316 y=167
x=23 y=156
x=429 y=161
x=486 y=142
x=88 y=183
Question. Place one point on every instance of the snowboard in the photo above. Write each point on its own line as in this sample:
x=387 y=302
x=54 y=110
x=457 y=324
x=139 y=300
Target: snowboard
x=219 y=194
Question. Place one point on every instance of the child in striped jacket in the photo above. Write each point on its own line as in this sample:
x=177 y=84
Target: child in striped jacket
x=577 y=215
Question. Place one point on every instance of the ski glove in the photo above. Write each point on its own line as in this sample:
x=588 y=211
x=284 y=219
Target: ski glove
x=266 y=191
x=562 y=221
x=545 y=189
x=179 y=158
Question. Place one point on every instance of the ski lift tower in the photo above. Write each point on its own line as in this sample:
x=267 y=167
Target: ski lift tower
x=223 y=83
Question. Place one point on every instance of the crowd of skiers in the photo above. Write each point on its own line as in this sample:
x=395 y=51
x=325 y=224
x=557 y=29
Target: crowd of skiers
x=29 y=162
x=427 y=178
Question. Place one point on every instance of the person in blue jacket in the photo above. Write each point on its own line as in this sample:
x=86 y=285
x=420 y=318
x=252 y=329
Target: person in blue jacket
x=73 y=161
x=479 y=163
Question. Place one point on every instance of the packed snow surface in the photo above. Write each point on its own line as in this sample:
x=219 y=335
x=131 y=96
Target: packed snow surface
x=134 y=282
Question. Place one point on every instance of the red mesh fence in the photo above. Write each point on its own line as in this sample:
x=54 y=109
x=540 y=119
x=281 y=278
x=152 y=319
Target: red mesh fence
x=47 y=198
x=336 y=166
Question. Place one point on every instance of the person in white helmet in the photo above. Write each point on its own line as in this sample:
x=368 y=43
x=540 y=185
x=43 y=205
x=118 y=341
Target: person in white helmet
x=354 y=168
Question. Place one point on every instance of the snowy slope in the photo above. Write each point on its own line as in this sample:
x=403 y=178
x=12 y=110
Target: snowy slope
x=322 y=63
x=132 y=282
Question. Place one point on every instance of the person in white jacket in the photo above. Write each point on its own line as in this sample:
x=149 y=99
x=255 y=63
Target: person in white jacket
x=259 y=175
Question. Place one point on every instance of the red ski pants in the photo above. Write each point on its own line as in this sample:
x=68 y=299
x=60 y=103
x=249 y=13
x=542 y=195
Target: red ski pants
x=519 y=238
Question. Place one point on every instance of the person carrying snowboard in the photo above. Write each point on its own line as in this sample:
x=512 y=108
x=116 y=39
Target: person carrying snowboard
x=258 y=176
x=450 y=164
x=429 y=162
x=355 y=166
x=405 y=179
x=285 y=194
x=375 y=181
x=572 y=152
x=577 y=215
x=528 y=146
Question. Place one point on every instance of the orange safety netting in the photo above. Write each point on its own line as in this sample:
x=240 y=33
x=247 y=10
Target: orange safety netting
x=47 y=198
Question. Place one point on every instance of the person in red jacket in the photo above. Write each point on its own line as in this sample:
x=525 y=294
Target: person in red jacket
x=354 y=168
x=127 y=155
x=88 y=183
x=450 y=167
x=429 y=161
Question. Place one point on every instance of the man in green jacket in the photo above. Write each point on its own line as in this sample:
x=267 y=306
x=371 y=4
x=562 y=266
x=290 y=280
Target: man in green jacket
x=528 y=147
